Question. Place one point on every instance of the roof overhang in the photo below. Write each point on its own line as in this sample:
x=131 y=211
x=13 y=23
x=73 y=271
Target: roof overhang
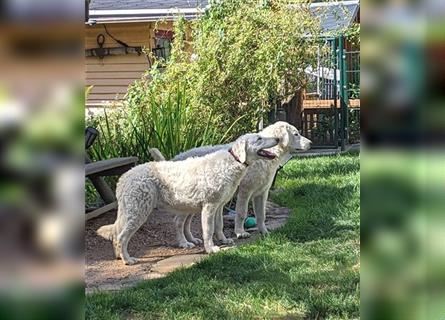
x=334 y=3
x=142 y=15
x=153 y=15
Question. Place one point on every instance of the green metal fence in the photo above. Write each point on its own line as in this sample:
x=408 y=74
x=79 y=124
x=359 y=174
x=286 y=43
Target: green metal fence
x=331 y=109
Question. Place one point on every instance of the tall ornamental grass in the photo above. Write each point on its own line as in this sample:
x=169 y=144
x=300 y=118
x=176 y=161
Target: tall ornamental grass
x=170 y=124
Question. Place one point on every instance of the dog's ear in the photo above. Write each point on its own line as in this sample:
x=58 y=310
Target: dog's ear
x=240 y=150
x=286 y=136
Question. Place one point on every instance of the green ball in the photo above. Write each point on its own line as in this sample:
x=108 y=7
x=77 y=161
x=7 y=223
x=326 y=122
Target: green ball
x=250 y=222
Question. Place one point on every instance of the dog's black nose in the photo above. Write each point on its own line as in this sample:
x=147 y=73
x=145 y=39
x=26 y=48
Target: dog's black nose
x=277 y=139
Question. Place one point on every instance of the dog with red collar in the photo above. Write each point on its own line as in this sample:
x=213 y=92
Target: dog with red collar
x=203 y=184
x=253 y=187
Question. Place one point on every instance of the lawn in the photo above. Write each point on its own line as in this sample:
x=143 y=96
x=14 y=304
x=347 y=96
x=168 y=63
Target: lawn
x=308 y=269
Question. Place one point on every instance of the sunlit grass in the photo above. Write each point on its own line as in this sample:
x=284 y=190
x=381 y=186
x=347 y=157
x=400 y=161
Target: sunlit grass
x=307 y=269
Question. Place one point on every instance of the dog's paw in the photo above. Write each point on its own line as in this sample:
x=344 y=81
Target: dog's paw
x=186 y=245
x=228 y=241
x=196 y=241
x=213 y=249
x=243 y=235
x=264 y=232
x=130 y=261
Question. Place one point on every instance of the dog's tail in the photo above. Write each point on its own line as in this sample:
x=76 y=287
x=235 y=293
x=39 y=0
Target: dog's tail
x=107 y=231
x=156 y=154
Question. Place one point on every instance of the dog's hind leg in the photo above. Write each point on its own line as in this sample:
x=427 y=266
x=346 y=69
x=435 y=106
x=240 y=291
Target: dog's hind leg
x=242 y=202
x=116 y=250
x=259 y=206
x=183 y=242
x=122 y=242
x=188 y=233
x=208 y=220
x=219 y=227
x=136 y=207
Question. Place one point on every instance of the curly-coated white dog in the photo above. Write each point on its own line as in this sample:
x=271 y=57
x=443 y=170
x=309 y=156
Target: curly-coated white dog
x=203 y=183
x=256 y=183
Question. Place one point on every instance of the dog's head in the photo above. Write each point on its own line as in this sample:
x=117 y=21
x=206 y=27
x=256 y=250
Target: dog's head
x=290 y=139
x=251 y=147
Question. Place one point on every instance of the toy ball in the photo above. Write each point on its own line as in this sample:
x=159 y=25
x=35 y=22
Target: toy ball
x=250 y=222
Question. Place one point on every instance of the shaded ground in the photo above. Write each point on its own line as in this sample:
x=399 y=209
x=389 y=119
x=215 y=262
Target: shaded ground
x=153 y=244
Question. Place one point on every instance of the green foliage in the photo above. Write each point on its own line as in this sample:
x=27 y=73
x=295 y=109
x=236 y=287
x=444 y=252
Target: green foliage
x=241 y=55
x=354 y=125
x=352 y=33
x=354 y=91
x=169 y=124
x=175 y=125
x=326 y=125
x=249 y=53
x=217 y=84
x=308 y=269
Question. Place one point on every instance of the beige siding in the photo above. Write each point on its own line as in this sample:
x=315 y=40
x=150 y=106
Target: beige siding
x=111 y=75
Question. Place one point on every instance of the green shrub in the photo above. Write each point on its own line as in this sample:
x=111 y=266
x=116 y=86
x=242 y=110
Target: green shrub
x=242 y=56
x=216 y=85
x=250 y=54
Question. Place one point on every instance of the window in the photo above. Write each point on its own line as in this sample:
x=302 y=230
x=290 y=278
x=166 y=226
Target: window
x=162 y=45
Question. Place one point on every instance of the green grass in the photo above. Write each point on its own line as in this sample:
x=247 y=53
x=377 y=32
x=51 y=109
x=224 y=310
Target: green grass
x=308 y=269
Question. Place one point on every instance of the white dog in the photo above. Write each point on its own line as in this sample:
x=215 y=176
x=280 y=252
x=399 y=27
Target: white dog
x=184 y=187
x=256 y=183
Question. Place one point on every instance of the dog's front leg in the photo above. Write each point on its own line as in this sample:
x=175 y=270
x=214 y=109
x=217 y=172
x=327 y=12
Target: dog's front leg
x=219 y=227
x=242 y=202
x=183 y=242
x=207 y=219
x=187 y=231
x=259 y=206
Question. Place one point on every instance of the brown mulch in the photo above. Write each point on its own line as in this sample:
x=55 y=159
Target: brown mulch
x=153 y=242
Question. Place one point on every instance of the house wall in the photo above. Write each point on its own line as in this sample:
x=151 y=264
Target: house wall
x=111 y=75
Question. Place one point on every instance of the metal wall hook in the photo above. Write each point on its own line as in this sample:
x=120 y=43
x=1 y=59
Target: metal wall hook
x=100 y=39
x=102 y=52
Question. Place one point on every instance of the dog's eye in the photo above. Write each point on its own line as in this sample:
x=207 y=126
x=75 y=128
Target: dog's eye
x=259 y=138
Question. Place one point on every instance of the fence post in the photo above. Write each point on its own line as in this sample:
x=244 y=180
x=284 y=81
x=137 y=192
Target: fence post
x=343 y=94
x=335 y=90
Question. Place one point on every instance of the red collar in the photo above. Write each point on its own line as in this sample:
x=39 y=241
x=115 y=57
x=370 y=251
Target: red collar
x=236 y=157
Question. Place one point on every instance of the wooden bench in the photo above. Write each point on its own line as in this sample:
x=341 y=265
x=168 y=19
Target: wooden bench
x=95 y=171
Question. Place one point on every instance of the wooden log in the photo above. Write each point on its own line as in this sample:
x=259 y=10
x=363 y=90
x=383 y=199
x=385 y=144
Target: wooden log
x=101 y=186
x=100 y=211
x=109 y=167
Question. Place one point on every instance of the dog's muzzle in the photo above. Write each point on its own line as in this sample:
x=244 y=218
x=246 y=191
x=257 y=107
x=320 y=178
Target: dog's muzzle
x=266 y=154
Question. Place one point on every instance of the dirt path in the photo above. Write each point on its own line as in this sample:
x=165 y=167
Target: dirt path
x=154 y=242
